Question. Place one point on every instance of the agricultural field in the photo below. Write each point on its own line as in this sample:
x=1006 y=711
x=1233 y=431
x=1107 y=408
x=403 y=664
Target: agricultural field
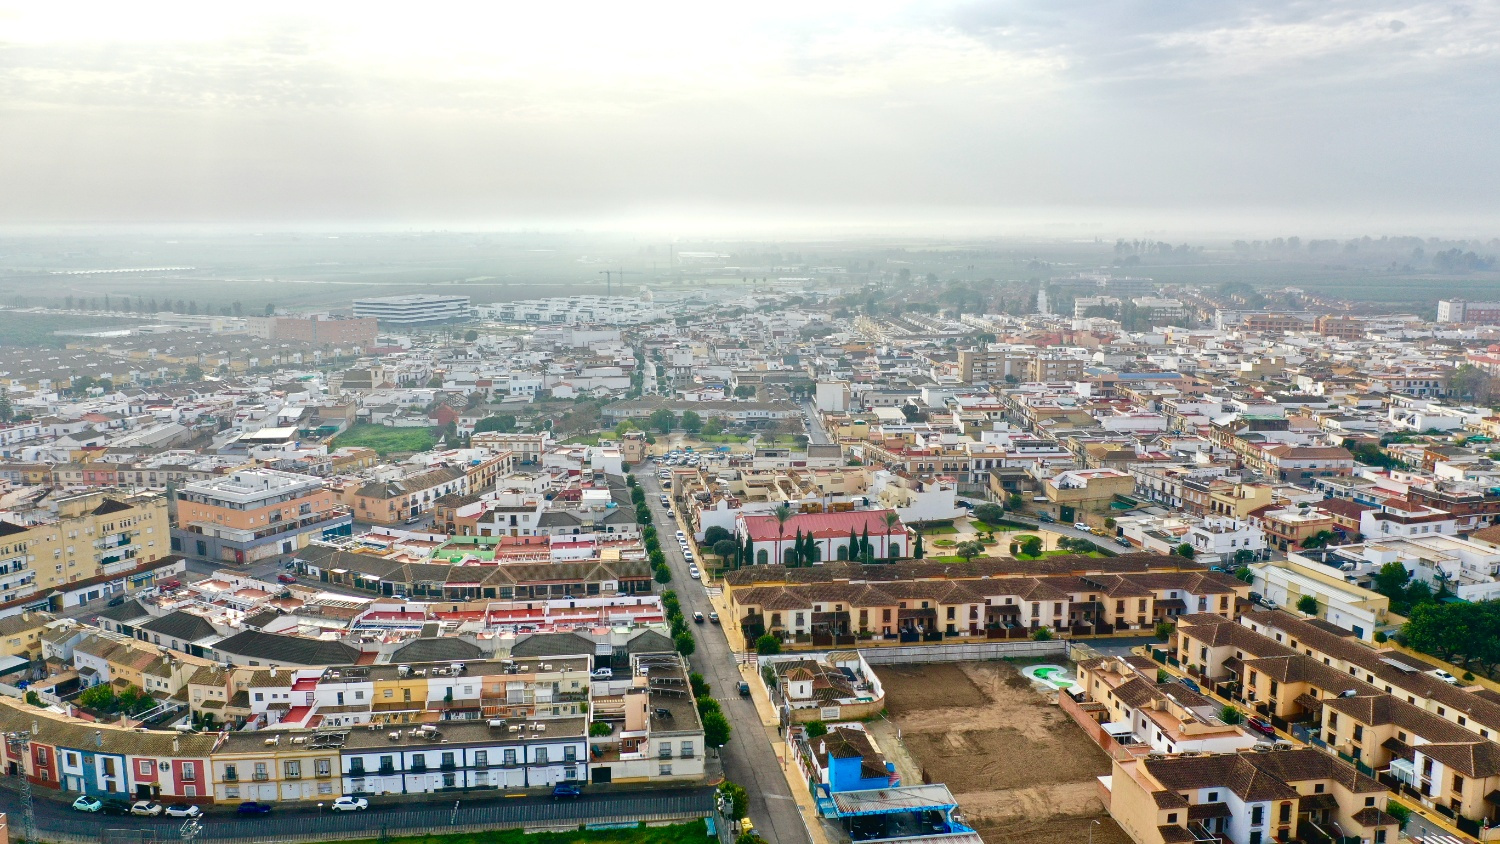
x=386 y=440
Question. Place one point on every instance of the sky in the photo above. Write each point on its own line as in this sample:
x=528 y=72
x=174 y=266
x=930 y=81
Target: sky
x=1059 y=115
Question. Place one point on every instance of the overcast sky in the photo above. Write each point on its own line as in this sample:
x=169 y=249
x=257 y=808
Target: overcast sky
x=1368 y=115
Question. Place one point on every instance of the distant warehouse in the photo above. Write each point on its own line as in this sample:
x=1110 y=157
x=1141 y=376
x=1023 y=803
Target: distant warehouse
x=420 y=309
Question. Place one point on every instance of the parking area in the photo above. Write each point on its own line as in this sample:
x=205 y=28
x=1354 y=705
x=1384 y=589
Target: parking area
x=1021 y=769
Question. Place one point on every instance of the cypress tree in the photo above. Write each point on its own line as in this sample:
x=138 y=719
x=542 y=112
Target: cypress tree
x=918 y=551
x=864 y=542
x=853 y=553
x=797 y=549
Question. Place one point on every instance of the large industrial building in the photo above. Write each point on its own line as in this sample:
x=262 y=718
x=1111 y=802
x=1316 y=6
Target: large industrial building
x=417 y=309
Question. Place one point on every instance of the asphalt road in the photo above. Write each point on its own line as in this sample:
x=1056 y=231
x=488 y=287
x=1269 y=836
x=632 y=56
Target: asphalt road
x=458 y=810
x=748 y=758
x=815 y=433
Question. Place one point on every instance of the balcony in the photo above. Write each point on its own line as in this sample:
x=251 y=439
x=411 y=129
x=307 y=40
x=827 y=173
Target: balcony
x=260 y=776
x=448 y=766
x=418 y=769
x=231 y=776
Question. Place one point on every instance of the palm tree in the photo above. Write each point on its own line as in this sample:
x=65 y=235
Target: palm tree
x=890 y=525
x=782 y=514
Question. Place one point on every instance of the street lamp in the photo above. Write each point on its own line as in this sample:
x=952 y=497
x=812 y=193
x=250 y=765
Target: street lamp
x=20 y=741
x=1092 y=824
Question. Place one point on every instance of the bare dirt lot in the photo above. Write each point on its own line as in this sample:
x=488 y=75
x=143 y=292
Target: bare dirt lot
x=1021 y=769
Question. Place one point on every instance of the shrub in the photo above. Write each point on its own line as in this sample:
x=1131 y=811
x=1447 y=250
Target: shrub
x=1380 y=637
x=685 y=643
x=768 y=674
x=768 y=645
x=1398 y=811
x=739 y=798
x=1042 y=634
x=701 y=687
x=1230 y=715
x=1307 y=605
x=815 y=729
x=599 y=729
x=1164 y=630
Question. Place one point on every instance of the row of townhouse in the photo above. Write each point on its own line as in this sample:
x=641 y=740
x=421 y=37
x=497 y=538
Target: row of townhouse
x=918 y=601
x=655 y=736
x=537 y=580
x=1387 y=712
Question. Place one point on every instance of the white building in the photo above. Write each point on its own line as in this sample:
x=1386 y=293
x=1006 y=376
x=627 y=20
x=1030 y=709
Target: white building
x=1340 y=602
x=1219 y=540
x=415 y=310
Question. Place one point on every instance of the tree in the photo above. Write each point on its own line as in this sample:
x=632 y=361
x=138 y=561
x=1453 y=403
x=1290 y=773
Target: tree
x=969 y=550
x=1470 y=382
x=1231 y=715
x=1186 y=551
x=1244 y=557
x=1307 y=605
x=270 y=308
x=917 y=551
x=782 y=514
x=739 y=799
x=1042 y=634
x=725 y=548
x=691 y=422
x=1031 y=546
x=598 y=729
x=744 y=391
x=471 y=335
x=768 y=645
x=798 y=547
x=713 y=427
x=891 y=518
x=1015 y=502
x=815 y=729
x=1164 y=630
x=100 y=697
x=1398 y=811
x=1318 y=540
x=714 y=534
x=663 y=574
x=989 y=513
x=716 y=729
x=1245 y=574
x=685 y=643
x=503 y=424
x=662 y=420
x=7 y=413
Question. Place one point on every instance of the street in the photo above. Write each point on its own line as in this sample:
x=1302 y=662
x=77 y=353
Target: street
x=748 y=758
x=815 y=433
x=453 y=810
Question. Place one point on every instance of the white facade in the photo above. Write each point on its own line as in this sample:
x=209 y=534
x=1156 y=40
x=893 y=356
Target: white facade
x=419 y=309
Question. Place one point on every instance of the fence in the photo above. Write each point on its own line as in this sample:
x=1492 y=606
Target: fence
x=614 y=808
x=967 y=652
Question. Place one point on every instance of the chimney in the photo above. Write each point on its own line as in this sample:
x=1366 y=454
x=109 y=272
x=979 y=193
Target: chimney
x=176 y=745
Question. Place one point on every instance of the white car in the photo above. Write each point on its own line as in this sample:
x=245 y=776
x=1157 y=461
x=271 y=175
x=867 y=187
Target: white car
x=694 y=573
x=603 y=674
x=350 y=804
x=145 y=807
x=681 y=536
x=183 y=810
x=1083 y=526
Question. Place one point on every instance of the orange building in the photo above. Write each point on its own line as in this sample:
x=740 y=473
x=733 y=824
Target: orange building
x=254 y=514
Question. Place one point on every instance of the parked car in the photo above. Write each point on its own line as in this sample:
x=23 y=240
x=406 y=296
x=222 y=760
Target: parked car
x=183 y=810
x=1262 y=726
x=253 y=808
x=697 y=618
x=115 y=807
x=1189 y=683
x=1122 y=542
x=85 y=803
x=350 y=804
x=285 y=578
x=1045 y=517
x=567 y=791
x=145 y=807
x=1083 y=526
x=744 y=689
x=603 y=674
x=713 y=618
x=695 y=574
x=117 y=601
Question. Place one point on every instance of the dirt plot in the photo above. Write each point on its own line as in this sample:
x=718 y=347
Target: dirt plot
x=1021 y=769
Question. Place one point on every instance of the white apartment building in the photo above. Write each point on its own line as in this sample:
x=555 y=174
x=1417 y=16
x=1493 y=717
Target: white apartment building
x=415 y=310
x=1219 y=539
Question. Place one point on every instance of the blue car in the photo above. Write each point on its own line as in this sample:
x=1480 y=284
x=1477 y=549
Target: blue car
x=253 y=808
x=567 y=791
x=1189 y=683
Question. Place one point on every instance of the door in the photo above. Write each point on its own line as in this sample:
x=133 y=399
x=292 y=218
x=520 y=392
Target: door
x=601 y=775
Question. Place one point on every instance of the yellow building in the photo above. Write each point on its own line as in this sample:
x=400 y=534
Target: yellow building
x=96 y=534
x=21 y=635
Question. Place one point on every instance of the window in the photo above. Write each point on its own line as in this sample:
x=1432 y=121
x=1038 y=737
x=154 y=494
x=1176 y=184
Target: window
x=666 y=770
x=481 y=758
x=323 y=767
x=541 y=755
x=1171 y=817
x=510 y=756
x=230 y=774
x=260 y=771
x=1257 y=815
x=664 y=750
x=570 y=753
x=292 y=768
x=144 y=766
x=189 y=772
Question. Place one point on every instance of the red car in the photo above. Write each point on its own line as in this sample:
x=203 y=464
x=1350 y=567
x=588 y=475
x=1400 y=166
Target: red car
x=1262 y=726
x=285 y=578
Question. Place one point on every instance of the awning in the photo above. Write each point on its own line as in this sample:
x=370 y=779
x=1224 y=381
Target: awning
x=1118 y=728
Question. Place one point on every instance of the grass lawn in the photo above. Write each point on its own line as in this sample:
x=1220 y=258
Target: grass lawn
x=939 y=531
x=989 y=528
x=686 y=832
x=385 y=439
x=945 y=559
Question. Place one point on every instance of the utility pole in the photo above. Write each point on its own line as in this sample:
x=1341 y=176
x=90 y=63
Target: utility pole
x=21 y=742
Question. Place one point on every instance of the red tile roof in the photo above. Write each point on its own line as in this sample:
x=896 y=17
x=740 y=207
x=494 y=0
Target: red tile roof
x=822 y=525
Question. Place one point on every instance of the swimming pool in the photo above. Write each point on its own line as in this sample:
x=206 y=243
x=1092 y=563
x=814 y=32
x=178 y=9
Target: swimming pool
x=1052 y=676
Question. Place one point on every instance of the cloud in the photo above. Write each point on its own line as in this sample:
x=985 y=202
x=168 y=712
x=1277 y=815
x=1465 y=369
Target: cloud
x=344 y=111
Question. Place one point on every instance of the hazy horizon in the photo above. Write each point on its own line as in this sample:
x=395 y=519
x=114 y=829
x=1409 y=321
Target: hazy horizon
x=1061 y=119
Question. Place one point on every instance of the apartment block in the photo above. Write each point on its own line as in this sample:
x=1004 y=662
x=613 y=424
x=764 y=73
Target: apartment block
x=255 y=513
x=110 y=537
